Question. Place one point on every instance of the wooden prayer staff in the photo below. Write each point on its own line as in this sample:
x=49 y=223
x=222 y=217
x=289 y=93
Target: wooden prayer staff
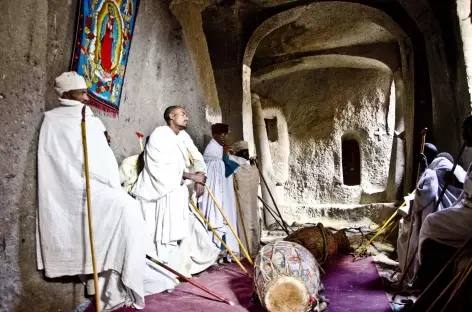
x=459 y=274
x=270 y=193
x=140 y=139
x=410 y=212
x=218 y=236
x=89 y=210
x=453 y=258
x=229 y=225
x=273 y=214
x=238 y=202
x=188 y=280
x=392 y=217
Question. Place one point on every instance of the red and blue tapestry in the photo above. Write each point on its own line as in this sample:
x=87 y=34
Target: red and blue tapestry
x=102 y=44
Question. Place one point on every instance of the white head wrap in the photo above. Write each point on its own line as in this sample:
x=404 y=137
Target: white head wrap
x=240 y=145
x=69 y=81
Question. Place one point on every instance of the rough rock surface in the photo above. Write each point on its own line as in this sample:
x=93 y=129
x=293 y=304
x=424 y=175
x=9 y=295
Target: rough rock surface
x=356 y=103
x=36 y=47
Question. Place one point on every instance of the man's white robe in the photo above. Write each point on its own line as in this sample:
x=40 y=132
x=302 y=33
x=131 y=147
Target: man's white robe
x=199 y=250
x=223 y=191
x=427 y=193
x=63 y=247
x=246 y=178
x=452 y=226
x=163 y=196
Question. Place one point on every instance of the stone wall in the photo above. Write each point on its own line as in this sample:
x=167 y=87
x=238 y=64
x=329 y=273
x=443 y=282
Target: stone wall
x=321 y=106
x=36 y=47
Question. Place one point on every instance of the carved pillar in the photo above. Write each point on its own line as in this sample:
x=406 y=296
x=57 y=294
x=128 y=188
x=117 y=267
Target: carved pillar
x=188 y=13
x=264 y=156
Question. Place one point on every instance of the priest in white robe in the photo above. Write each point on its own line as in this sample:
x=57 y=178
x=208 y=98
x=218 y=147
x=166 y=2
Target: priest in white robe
x=199 y=250
x=63 y=246
x=429 y=188
x=162 y=192
x=220 y=181
x=246 y=185
x=452 y=226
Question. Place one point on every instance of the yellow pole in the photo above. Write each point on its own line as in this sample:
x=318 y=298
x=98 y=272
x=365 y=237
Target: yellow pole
x=386 y=225
x=238 y=202
x=89 y=211
x=229 y=225
x=218 y=236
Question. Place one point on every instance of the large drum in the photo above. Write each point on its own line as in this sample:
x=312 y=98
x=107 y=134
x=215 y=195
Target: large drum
x=286 y=277
x=320 y=241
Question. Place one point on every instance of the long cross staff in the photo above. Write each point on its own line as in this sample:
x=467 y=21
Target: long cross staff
x=188 y=280
x=410 y=212
x=274 y=215
x=454 y=257
x=270 y=193
x=89 y=210
x=218 y=236
x=229 y=225
x=238 y=203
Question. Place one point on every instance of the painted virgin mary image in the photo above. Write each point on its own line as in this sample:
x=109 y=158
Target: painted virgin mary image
x=109 y=39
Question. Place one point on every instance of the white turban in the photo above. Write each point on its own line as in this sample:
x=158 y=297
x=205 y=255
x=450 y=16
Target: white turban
x=69 y=81
x=240 y=146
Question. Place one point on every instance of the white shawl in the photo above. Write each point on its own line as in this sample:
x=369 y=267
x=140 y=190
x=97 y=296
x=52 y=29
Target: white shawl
x=62 y=231
x=451 y=226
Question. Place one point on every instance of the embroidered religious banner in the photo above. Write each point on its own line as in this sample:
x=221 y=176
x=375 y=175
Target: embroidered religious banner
x=102 y=44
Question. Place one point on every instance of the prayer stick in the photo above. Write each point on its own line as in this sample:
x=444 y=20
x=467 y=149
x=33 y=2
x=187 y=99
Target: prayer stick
x=238 y=203
x=229 y=225
x=444 y=291
x=89 y=210
x=453 y=258
x=218 y=237
x=270 y=194
x=386 y=225
x=285 y=226
x=188 y=280
x=410 y=212
x=465 y=274
x=271 y=213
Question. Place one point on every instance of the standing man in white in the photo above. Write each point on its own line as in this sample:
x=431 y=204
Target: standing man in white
x=220 y=181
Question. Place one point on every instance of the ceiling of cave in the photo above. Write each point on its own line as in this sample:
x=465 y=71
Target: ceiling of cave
x=322 y=28
x=303 y=65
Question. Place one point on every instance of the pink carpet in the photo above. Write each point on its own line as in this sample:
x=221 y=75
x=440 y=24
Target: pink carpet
x=350 y=286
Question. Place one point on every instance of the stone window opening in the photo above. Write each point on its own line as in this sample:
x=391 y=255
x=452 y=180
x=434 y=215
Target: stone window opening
x=271 y=128
x=351 y=161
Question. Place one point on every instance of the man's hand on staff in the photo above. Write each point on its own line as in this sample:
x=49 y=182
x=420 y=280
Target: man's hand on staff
x=200 y=187
x=199 y=178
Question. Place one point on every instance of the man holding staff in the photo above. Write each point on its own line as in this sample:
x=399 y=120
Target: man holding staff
x=220 y=182
x=63 y=244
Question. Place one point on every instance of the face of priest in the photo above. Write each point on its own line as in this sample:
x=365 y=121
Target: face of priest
x=179 y=118
x=221 y=138
x=243 y=153
x=76 y=95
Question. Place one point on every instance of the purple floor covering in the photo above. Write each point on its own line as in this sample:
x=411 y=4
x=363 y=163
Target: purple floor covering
x=349 y=286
